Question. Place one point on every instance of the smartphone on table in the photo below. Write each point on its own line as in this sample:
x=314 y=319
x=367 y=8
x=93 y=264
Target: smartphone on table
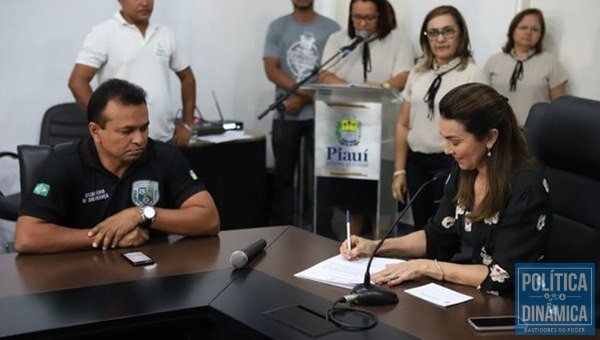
x=492 y=323
x=137 y=258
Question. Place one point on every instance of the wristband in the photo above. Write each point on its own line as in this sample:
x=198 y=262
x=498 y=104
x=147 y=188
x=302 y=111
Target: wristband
x=399 y=172
x=187 y=127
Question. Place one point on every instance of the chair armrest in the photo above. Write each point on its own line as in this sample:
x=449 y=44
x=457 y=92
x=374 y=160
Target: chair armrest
x=9 y=154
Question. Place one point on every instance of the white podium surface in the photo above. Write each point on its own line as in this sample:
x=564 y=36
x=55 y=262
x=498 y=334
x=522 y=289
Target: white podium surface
x=354 y=141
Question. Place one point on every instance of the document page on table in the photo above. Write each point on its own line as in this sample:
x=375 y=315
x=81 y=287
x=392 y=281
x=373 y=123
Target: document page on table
x=439 y=295
x=341 y=272
x=227 y=136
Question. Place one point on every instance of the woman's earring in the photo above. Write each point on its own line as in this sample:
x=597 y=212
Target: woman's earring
x=489 y=153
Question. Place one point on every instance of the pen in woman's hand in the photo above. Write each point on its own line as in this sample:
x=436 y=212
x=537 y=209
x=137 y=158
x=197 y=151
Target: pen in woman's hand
x=348 y=230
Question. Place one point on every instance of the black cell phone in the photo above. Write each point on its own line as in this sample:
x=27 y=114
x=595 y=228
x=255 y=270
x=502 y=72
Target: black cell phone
x=137 y=258
x=492 y=323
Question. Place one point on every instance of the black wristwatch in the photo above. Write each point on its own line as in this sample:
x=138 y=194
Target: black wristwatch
x=148 y=214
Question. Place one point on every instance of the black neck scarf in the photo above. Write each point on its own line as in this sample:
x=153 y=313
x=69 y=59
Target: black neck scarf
x=518 y=70
x=366 y=60
x=516 y=75
x=429 y=97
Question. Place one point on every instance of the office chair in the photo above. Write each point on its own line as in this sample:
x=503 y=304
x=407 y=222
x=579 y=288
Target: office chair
x=30 y=159
x=63 y=123
x=9 y=204
x=565 y=137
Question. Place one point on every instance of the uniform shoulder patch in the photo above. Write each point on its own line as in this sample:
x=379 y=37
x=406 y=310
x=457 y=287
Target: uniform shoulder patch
x=193 y=175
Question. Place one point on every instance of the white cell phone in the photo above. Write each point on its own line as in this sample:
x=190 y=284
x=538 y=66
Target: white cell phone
x=137 y=258
x=492 y=323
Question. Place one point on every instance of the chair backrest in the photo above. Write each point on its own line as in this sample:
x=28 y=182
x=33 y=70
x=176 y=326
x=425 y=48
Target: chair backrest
x=30 y=159
x=565 y=137
x=63 y=123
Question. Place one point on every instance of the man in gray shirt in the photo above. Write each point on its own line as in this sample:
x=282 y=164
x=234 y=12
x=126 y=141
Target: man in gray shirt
x=293 y=48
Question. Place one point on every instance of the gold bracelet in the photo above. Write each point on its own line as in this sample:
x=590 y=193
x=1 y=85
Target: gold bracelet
x=435 y=261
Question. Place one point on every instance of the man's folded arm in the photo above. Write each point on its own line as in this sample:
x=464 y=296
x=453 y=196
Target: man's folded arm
x=34 y=235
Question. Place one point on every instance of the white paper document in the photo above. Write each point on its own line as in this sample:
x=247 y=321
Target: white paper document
x=438 y=295
x=227 y=136
x=338 y=271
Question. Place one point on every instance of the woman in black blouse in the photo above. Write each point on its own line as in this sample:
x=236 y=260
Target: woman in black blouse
x=495 y=203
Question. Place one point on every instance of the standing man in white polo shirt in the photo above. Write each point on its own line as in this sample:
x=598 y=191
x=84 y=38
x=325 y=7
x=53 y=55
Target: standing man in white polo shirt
x=129 y=47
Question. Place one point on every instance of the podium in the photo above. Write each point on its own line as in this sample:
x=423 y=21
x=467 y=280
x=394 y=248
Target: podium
x=354 y=156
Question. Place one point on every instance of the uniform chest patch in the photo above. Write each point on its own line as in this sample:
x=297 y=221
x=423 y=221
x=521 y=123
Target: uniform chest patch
x=145 y=193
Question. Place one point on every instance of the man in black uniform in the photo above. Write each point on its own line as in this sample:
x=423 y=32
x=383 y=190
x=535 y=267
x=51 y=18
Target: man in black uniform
x=115 y=188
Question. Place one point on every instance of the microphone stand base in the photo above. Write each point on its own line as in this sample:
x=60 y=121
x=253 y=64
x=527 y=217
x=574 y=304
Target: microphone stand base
x=372 y=295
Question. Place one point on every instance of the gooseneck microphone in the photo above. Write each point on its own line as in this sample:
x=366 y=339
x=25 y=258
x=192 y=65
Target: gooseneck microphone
x=240 y=258
x=344 y=52
x=368 y=294
x=360 y=37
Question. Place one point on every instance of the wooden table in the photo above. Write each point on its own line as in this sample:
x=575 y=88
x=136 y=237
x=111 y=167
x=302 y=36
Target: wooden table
x=192 y=291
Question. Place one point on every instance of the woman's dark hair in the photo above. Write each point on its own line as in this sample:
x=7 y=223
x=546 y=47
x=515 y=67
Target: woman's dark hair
x=120 y=90
x=480 y=109
x=391 y=15
x=510 y=43
x=463 y=49
x=384 y=25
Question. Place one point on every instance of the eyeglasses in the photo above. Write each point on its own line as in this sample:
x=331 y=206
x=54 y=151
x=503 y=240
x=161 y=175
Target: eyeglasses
x=446 y=32
x=369 y=17
x=534 y=29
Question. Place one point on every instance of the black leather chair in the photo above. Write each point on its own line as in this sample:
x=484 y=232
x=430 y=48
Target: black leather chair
x=565 y=138
x=9 y=204
x=30 y=159
x=63 y=123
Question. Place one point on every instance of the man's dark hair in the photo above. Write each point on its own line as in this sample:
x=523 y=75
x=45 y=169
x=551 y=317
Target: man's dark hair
x=119 y=90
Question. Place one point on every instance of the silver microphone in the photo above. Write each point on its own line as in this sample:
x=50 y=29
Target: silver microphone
x=240 y=258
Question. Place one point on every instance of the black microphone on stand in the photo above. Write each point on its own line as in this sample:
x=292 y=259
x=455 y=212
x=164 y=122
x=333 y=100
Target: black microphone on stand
x=368 y=294
x=360 y=37
x=344 y=51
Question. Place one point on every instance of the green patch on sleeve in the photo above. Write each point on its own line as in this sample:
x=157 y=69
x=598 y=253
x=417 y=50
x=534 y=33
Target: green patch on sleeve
x=42 y=189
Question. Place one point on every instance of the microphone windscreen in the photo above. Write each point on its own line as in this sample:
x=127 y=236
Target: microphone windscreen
x=238 y=259
x=443 y=174
x=363 y=34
